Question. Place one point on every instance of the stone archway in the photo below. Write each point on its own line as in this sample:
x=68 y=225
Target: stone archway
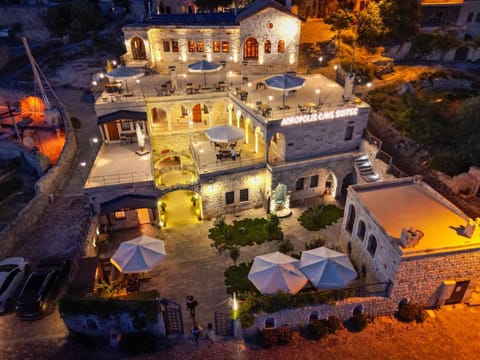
x=159 y=119
x=179 y=117
x=179 y=208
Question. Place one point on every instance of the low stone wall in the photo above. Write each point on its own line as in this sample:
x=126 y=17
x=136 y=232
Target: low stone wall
x=20 y=226
x=95 y=326
x=293 y=318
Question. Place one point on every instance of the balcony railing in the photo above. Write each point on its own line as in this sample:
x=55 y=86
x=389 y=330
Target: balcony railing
x=117 y=179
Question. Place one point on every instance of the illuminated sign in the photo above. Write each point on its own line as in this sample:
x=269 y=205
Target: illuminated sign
x=323 y=115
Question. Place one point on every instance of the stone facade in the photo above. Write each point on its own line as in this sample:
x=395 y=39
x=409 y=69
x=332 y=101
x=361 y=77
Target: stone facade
x=419 y=273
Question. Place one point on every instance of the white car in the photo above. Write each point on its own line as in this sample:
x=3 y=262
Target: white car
x=12 y=272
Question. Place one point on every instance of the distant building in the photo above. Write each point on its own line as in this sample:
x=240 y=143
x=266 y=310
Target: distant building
x=404 y=232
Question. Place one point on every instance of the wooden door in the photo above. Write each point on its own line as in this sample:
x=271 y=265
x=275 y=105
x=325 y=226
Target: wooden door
x=112 y=131
x=197 y=113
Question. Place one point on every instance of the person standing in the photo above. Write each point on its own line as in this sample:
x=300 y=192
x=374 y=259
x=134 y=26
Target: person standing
x=234 y=154
x=196 y=331
x=191 y=305
x=210 y=333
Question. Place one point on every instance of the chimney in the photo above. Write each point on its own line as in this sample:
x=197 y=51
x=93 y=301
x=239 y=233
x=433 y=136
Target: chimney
x=348 y=89
x=472 y=228
x=410 y=238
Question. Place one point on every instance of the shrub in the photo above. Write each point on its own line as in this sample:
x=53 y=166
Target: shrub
x=315 y=243
x=411 y=312
x=333 y=324
x=316 y=330
x=320 y=217
x=277 y=336
x=359 y=321
x=285 y=246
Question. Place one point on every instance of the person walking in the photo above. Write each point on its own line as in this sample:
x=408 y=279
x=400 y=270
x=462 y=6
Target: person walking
x=210 y=333
x=191 y=305
x=196 y=331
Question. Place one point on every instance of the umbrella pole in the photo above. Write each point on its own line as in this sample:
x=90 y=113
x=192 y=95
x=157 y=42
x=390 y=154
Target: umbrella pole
x=204 y=80
x=283 y=102
x=126 y=85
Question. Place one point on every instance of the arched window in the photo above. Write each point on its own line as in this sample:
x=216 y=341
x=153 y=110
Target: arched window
x=250 y=49
x=281 y=46
x=138 y=49
x=362 y=229
x=270 y=323
x=350 y=219
x=159 y=116
x=372 y=245
x=267 y=47
x=314 y=315
x=469 y=17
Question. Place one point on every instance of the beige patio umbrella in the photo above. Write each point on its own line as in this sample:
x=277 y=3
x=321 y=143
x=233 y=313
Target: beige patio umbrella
x=276 y=272
x=141 y=254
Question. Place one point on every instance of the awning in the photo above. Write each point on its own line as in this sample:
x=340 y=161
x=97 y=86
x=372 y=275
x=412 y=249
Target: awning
x=128 y=202
x=122 y=114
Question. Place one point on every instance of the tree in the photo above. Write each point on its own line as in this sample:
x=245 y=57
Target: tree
x=370 y=28
x=339 y=21
x=401 y=18
x=468 y=136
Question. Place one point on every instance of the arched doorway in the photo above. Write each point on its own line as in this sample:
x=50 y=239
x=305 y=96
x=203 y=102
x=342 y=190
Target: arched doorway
x=200 y=114
x=138 y=49
x=276 y=149
x=159 y=119
x=348 y=180
x=180 y=208
x=250 y=49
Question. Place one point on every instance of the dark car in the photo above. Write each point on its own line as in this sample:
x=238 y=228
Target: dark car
x=41 y=288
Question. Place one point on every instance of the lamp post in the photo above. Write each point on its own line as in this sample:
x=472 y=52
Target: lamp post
x=317 y=91
x=320 y=59
x=141 y=87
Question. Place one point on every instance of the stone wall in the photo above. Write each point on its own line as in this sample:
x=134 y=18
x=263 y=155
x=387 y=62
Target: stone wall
x=96 y=326
x=20 y=226
x=420 y=279
x=373 y=306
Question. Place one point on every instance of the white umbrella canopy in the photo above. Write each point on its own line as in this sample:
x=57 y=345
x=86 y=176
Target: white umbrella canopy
x=125 y=73
x=224 y=133
x=284 y=82
x=204 y=66
x=327 y=269
x=276 y=272
x=141 y=254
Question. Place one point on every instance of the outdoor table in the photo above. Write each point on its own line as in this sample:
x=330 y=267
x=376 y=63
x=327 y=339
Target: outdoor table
x=310 y=106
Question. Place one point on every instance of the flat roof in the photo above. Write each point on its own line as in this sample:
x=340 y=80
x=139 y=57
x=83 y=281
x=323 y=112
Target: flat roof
x=407 y=203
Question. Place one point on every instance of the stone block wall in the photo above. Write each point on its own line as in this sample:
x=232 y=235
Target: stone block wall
x=420 y=279
x=373 y=306
x=93 y=325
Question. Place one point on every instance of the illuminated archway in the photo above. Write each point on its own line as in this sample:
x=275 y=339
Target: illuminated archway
x=180 y=208
x=138 y=49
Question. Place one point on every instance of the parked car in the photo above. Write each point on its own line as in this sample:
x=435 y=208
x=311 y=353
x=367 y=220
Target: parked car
x=12 y=272
x=41 y=288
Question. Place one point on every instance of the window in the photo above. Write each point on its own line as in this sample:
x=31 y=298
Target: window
x=349 y=132
x=200 y=46
x=138 y=49
x=243 y=194
x=469 y=17
x=216 y=46
x=299 y=184
x=166 y=46
x=120 y=215
x=125 y=125
x=250 y=49
x=225 y=47
x=350 y=219
x=361 y=230
x=267 y=47
x=314 y=315
x=372 y=245
x=174 y=46
x=270 y=323
x=314 y=181
x=91 y=324
x=191 y=46
x=281 y=46
x=229 y=197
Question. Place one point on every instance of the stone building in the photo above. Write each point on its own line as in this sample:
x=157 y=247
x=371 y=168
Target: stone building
x=263 y=37
x=404 y=232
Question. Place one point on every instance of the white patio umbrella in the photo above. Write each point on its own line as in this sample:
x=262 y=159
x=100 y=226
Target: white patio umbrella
x=326 y=268
x=125 y=73
x=224 y=133
x=276 y=271
x=138 y=255
x=285 y=82
x=204 y=66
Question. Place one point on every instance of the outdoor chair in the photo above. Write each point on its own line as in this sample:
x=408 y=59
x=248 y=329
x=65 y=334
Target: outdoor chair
x=239 y=153
x=219 y=156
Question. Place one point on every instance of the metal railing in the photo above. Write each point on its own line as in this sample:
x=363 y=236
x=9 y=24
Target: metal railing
x=117 y=179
